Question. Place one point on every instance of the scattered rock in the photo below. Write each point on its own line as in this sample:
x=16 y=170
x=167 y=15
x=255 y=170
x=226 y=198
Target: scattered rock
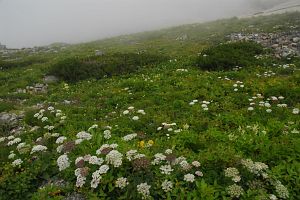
x=10 y=119
x=50 y=79
x=285 y=44
x=38 y=88
x=75 y=196
x=99 y=53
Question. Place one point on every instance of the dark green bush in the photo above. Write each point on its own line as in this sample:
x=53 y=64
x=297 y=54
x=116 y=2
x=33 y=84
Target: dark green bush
x=227 y=56
x=73 y=69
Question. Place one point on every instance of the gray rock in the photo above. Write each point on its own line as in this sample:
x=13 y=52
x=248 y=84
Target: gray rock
x=10 y=119
x=50 y=79
x=296 y=39
x=75 y=196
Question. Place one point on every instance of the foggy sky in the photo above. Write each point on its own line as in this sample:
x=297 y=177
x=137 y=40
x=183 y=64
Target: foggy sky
x=27 y=23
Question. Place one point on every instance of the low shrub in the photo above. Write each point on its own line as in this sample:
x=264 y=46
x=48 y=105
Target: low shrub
x=73 y=69
x=227 y=56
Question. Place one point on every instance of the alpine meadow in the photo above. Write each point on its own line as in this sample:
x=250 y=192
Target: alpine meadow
x=198 y=111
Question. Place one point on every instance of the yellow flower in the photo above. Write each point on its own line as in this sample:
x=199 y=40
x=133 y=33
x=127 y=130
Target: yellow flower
x=141 y=144
x=150 y=143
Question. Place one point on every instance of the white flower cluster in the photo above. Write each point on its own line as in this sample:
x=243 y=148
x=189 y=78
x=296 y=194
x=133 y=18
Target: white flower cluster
x=238 y=84
x=205 y=104
x=257 y=168
x=60 y=140
x=185 y=165
x=281 y=190
x=96 y=177
x=131 y=154
x=38 y=148
x=63 y=162
x=189 y=178
x=14 y=141
x=80 y=181
x=166 y=169
x=167 y=186
x=168 y=151
x=233 y=173
x=196 y=163
x=144 y=190
x=11 y=155
x=81 y=136
x=2 y=139
x=94 y=160
x=121 y=182
x=266 y=74
x=107 y=134
x=16 y=162
x=104 y=146
x=181 y=70
x=235 y=191
x=296 y=111
x=129 y=137
x=114 y=158
x=22 y=147
x=95 y=126
x=159 y=157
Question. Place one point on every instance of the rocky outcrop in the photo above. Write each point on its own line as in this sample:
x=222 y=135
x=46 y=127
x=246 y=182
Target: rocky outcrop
x=284 y=44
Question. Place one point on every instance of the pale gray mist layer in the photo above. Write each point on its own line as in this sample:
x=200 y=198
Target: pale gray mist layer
x=27 y=23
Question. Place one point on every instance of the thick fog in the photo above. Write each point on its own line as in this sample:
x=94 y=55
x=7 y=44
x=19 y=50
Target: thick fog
x=27 y=23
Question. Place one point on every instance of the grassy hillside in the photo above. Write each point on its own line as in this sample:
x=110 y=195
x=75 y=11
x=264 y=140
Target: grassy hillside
x=226 y=132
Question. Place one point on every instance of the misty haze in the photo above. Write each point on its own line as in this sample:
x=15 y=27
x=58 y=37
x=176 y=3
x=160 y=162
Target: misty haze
x=27 y=23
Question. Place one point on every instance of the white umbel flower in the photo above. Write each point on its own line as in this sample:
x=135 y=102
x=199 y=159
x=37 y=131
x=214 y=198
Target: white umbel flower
x=166 y=169
x=114 y=158
x=84 y=135
x=38 y=148
x=144 y=190
x=63 y=162
x=121 y=182
x=189 y=178
x=17 y=162
x=129 y=137
x=167 y=186
x=135 y=118
x=94 y=160
x=107 y=134
x=60 y=140
x=196 y=163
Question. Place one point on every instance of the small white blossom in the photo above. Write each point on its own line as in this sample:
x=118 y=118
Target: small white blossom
x=196 y=164
x=84 y=135
x=166 y=169
x=121 y=182
x=296 y=111
x=167 y=186
x=125 y=112
x=107 y=134
x=103 y=169
x=129 y=137
x=189 y=178
x=135 y=118
x=44 y=119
